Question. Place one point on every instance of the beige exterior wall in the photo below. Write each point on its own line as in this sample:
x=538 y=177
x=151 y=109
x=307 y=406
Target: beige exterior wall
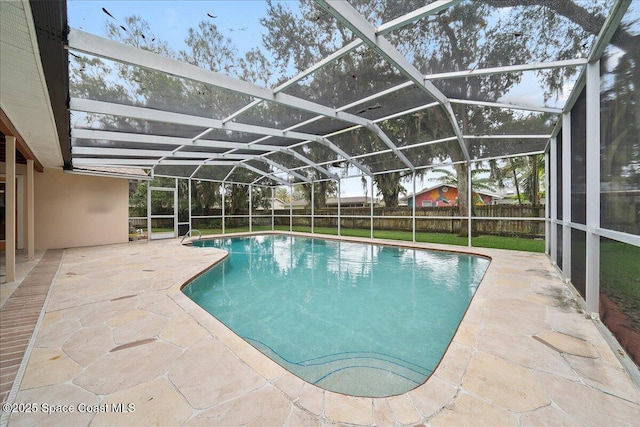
x=79 y=210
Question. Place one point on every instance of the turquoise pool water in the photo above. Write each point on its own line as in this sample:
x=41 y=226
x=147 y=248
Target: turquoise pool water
x=354 y=318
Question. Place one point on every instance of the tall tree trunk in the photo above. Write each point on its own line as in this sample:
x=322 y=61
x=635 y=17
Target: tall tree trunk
x=320 y=198
x=462 y=171
x=515 y=181
x=535 y=180
x=389 y=186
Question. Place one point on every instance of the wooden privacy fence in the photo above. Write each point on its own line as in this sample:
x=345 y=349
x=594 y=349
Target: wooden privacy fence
x=435 y=220
x=431 y=219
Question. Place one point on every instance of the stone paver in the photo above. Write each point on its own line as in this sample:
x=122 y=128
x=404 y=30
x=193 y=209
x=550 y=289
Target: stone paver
x=151 y=404
x=118 y=330
x=404 y=410
x=128 y=367
x=57 y=405
x=567 y=344
x=348 y=409
x=264 y=407
x=471 y=411
x=208 y=374
x=48 y=366
x=88 y=344
x=505 y=384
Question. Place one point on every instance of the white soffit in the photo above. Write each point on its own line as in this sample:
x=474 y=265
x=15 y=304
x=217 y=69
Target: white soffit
x=23 y=91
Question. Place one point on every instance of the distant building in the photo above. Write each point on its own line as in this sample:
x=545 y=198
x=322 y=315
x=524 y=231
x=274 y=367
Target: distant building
x=443 y=195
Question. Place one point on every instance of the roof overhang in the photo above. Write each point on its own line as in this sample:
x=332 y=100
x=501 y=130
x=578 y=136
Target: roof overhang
x=34 y=82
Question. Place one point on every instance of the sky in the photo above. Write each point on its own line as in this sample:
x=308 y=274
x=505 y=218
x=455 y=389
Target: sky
x=169 y=20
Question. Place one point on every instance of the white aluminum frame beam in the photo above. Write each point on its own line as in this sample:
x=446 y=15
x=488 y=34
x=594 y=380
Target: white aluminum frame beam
x=263 y=173
x=592 y=220
x=508 y=106
x=142 y=113
x=399 y=22
x=282 y=168
x=165 y=155
x=406 y=112
x=376 y=129
x=143 y=163
x=213 y=163
x=566 y=196
x=105 y=48
x=351 y=18
x=314 y=165
x=335 y=148
x=376 y=95
x=94 y=45
x=171 y=140
x=150 y=114
x=552 y=181
x=233 y=169
x=608 y=29
x=507 y=136
x=416 y=15
x=508 y=69
x=109 y=49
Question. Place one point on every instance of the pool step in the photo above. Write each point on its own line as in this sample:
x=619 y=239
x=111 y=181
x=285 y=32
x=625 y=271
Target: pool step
x=368 y=374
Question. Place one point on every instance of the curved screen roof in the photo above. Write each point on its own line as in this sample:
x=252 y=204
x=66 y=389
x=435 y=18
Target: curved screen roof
x=306 y=91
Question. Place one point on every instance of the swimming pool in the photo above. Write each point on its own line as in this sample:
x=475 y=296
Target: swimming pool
x=354 y=318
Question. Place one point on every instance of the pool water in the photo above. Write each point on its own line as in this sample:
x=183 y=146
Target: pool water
x=354 y=318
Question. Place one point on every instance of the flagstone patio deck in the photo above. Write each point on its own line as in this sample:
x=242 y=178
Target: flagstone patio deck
x=118 y=331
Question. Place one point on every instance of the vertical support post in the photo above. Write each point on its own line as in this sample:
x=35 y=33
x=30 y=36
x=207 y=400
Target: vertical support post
x=547 y=224
x=223 y=191
x=30 y=210
x=149 y=209
x=371 y=203
x=175 y=207
x=566 y=196
x=470 y=201
x=250 y=208
x=290 y=207
x=553 y=181
x=190 y=225
x=413 y=208
x=313 y=206
x=592 y=276
x=10 y=209
x=273 y=207
x=20 y=212
x=339 y=182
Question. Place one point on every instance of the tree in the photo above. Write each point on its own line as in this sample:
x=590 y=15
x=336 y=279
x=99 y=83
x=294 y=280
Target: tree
x=283 y=194
x=466 y=36
x=209 y=49
x=461 y=38
x=205 y=196
x=479 y=181
x=322 y=190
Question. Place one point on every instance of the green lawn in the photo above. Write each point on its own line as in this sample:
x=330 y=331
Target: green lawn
x=498 y=242
x=620 y=276
x=161 y=230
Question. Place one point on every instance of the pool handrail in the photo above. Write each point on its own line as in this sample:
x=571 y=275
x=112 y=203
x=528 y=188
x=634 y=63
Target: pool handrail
x=190 y=234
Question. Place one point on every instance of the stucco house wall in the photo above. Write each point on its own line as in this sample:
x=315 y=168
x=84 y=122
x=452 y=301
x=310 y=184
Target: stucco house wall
x=78 y=210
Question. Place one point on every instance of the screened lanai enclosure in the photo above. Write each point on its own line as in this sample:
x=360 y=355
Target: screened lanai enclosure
x=264 y=125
